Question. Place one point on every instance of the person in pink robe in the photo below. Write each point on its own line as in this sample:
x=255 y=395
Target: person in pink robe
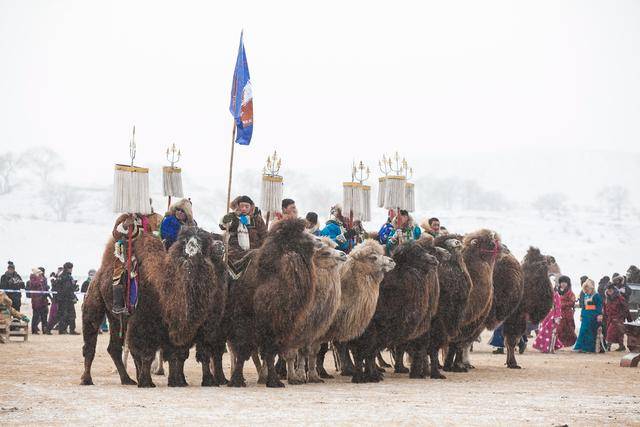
x=549 y=328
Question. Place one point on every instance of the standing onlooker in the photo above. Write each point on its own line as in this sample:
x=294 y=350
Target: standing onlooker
x=85 y=285
x=13 y=282
x=602 y=285
x=590 y=318
x=37 y=290
x=567 y=326
x=547 y=340
x=616 y=310
x=621 y=284
x=53 y=311
x=66 y=288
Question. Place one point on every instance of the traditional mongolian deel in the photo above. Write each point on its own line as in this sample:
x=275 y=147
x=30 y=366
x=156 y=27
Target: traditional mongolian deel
x=241 y=105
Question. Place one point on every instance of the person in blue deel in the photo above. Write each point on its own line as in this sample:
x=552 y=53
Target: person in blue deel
x=179 y=215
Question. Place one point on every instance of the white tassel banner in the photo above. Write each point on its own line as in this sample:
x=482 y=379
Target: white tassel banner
x=394 y=195
x=172 y=181
x=352 y=199
x=271 y=197
x=131 y=190
x=381 y=191
x=410 y=197
x=366 y=203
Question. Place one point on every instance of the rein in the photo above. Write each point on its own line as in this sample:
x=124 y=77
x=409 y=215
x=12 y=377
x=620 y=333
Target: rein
x=494 y=252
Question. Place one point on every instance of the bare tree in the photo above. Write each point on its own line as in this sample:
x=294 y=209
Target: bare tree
x=7 y=168
x=616 y=198
x=550 y=202
x=63 y=199
x=43 y=162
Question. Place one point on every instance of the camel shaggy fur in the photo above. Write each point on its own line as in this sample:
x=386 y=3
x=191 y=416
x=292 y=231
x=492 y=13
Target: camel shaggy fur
x=455 y=286
x=98 y=301
x=327 y=261
x=183 y=307
x=360 y=279
x=537 y=301
x=401 y=309
x=479 y=251
x=273 y=298
x=508 y=288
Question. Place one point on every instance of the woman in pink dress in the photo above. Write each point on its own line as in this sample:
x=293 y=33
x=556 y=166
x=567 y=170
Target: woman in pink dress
x=547 y=340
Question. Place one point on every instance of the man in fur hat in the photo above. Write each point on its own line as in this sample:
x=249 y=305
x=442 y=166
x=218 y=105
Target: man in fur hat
x=11 y=280
x=245 y=226
x=335 y=229
x=180 y=214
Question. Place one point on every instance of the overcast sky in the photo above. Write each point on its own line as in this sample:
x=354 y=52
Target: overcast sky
x=332 y=81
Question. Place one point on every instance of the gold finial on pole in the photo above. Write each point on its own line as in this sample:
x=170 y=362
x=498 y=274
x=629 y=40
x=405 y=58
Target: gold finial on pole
x=173 y=154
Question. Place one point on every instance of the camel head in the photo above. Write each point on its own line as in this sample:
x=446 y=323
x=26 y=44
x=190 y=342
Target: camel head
x=327 y=256
x=371 y=258
x=452 y=243
x=415 y=254
x=633 y=274
x=483 y=244
x=193 y=242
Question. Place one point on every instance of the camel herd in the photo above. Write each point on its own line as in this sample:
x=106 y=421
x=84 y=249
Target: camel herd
x=297 y=293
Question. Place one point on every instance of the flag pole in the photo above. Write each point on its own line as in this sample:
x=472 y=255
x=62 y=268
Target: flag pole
x=226 y=234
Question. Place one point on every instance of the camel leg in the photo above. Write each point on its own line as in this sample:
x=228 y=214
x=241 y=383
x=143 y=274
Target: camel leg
x=398 y=355
x=417 y=364
x=510 y=342
x=272 y=375
x=358 y=370
x=458 y=364
x=203 y=356
x=216 y=365
x=176 y=367
x=324 y=348
x=371 y=372
x=302 y=364
x=465 y=357
x=381 y=362
x=281 y=367
x=292 y=375
x=255 y=357
x=143 y=369
x=90 y=337
x=115 y=351
x=435 y=364
x=314 y=376
x=348 y=368
x=237 y=376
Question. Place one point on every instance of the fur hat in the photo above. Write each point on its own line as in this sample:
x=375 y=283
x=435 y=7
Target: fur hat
x=588 y=284
x=91 y=272
x=244 y=199
x=67 y=265
x=11 y=265
x=185 y=206
x=41 y=269
x=36 y=271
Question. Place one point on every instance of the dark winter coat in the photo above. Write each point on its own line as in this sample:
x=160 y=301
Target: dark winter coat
x=66 y=287
x=12 y=281
x=567 y=326
x=616 y=310
x=37 y=283
x=256 y=229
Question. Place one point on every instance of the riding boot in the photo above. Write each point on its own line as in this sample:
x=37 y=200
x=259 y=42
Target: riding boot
x=118 y=299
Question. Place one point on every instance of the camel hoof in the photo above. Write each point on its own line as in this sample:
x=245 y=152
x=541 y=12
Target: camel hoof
x=209 y=382
x=347 y=373
x=275 y=383
x=86 y=381
x=401 y=370
x=417 y=376
x=469 y=366
x=146 y=384
x=128 y=381
x=294 y=381
x=222 y=381
x=514 y=367
x=325 y=375
x=358 y=378
x=459 y=369
x=438 y=376
x=313 y=379
x=235 y=382
x=380 y=369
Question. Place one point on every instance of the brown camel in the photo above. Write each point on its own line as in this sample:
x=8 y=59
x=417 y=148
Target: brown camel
x=455 y=286
x=98 y=301
x=182 y=308
x=360 y=279
x=508 y=288
x=479 y=251
x=537 y=301
x=327 y=262
x=401 y=309
x=273 y=298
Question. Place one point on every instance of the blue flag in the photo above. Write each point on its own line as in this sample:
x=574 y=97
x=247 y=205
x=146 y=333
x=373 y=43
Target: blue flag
x=241 y=105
